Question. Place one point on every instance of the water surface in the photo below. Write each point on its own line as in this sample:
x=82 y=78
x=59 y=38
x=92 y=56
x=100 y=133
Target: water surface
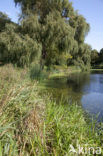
x=85 y=89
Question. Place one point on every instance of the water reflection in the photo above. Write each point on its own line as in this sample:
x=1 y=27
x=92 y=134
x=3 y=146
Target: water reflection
x=92 y=99
x=93 y=104
x=83 y=88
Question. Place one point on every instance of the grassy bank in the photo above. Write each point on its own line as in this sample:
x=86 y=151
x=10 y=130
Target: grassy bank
x=32 y=124
x=62 y=71
x=98 y=66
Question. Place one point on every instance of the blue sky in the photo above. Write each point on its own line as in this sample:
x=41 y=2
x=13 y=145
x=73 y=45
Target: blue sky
x=92 y=10
x=9 y=8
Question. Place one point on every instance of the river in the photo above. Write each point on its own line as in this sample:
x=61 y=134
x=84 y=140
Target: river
x=85 y=89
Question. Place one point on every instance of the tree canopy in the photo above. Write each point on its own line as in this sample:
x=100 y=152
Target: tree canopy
x=3 y=20
x=50 y=29
x=94 y=57
x=101 y=55
x=17 y=48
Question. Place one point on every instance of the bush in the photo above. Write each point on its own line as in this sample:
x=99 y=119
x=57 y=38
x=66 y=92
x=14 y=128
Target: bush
x=37 y=73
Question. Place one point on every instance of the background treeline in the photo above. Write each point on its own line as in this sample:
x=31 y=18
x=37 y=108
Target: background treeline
x=48 y=33
x=97 y=58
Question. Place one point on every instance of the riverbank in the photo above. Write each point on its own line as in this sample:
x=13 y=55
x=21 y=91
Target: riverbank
x=63 y=71
x=33 y=124
x=98 y=66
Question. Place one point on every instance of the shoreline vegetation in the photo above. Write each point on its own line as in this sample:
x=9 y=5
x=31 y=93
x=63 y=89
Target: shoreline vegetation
x=47 y=42
x=33 y=124
x=59 y=71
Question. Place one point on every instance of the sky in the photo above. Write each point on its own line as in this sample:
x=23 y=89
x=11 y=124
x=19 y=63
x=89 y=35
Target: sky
x=8 y=7
x=92 y=10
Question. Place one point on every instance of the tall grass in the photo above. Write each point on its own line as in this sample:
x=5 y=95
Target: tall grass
x=33 y=125
x=36 y=73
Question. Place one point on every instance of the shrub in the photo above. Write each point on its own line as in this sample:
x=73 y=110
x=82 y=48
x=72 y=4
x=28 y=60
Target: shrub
x=37 y=73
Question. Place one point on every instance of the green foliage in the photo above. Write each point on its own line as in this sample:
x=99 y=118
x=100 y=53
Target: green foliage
x=37 y=73
x=43 y=8
x=83 y=57
x=33 y=124
x=101 y=55
x=17 y=48
x=97 y=59
x=81 y=27
x=48 y=31
x=58 y=28
x=94 y=57
x=62 y=124
x=3 y=20
x=56 y=39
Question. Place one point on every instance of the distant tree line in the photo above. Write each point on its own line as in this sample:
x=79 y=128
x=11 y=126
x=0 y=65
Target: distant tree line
x=96 y=57
x=49 y=32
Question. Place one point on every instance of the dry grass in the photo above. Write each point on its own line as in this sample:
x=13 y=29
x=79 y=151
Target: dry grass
x=21 y=110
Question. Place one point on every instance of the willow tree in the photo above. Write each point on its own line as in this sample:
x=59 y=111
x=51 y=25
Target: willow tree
x=47 y=23
x=81 y=56
x=3 y=20
x=17 y=48
x=57 y=27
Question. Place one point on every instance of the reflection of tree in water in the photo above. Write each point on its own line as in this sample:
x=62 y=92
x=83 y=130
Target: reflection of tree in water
x=78 y=80
x=68 y=88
